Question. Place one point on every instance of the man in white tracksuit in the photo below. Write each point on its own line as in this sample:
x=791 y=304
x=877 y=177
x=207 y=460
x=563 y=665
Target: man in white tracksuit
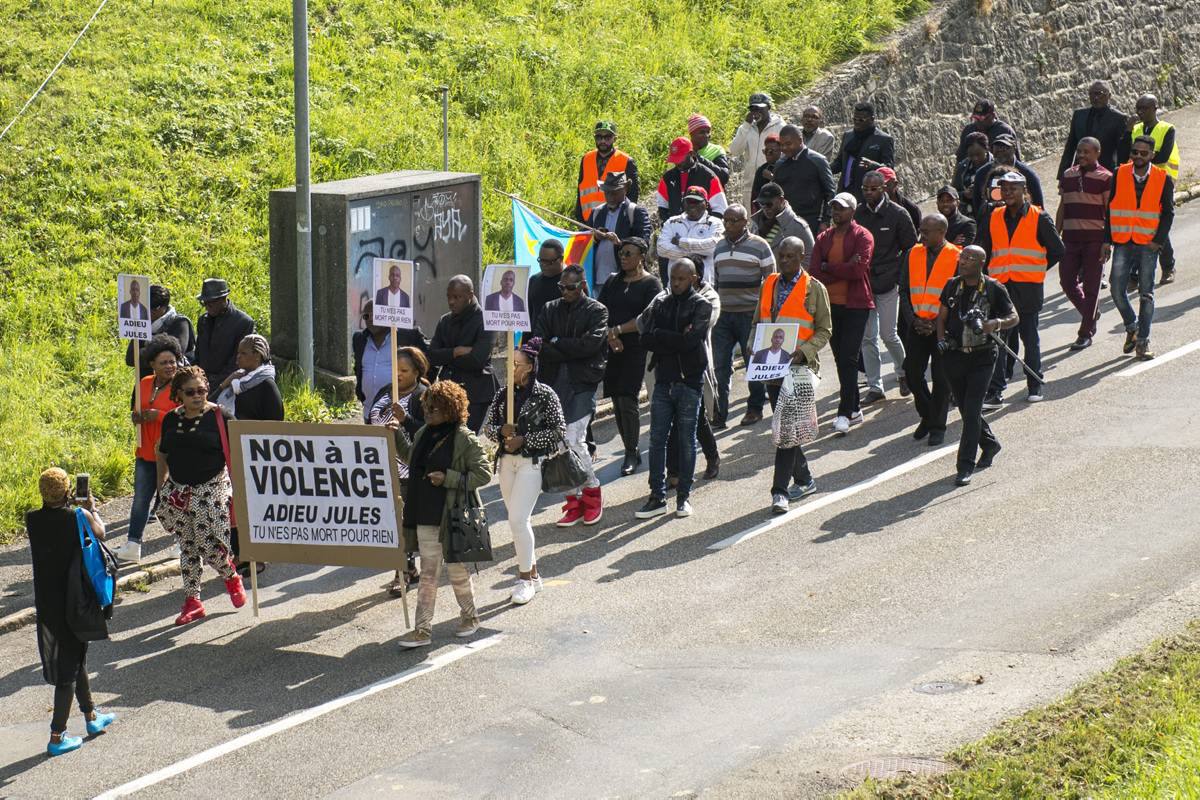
x=695 y=232
x=749 y=139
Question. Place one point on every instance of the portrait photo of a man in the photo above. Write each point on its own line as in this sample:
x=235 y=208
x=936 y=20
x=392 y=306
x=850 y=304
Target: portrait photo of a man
x=393 y=295
x=133 y=307
x=776 y=353
x=505 y=299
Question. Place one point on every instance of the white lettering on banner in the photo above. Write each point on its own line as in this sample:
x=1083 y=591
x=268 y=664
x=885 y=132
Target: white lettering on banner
x=319 y=490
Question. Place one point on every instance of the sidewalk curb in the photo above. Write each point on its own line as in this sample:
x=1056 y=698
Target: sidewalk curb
x=151 y=574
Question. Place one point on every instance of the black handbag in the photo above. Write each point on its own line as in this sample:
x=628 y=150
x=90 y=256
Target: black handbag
x=563 y=471
x=468 y=538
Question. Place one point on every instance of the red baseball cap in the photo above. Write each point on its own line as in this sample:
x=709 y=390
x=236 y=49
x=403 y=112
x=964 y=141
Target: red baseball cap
x=888 y=174
x=679 y=150
x=696 y=191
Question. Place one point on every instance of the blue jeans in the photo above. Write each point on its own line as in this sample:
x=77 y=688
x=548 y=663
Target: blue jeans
x=673 y=404
x=1126 y=258
x=145 y=483
x=733 y=330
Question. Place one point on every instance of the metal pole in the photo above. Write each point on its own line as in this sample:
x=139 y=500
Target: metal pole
x=304 y=293
x=445 y=128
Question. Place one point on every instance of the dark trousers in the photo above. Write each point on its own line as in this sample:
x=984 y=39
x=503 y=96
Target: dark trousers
x=849 y=324
x=476 y=414
x=76 y=686
x=790 y=463
x=932 y=405
x=628 y=419
x=969 y=375
x=1079 y=274
x=704 y=434
x=1025 y=334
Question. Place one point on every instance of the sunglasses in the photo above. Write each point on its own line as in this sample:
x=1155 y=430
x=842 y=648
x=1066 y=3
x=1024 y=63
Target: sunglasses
x=570 y=287
x=547 y=260
x=197 y=390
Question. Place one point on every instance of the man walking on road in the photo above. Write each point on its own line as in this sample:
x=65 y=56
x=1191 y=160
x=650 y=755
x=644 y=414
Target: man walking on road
x=741 y=262
x=766 y=170
x=893 y=232
x=1166 y=155
x=928 y=267
x=1085 y=190
x=1141 y=214
x=972 y=306
x=687 y=171
x=961 y=230
x=750 y=139
x=1101 y=122
x=695 y=232
x=710 y=154
x=617 y=219
x=816 y=136
x=864 y=148
x=595 y=166
x=1022 y=244
x=983 y=120
x=775 y=220
x=804 y=176
x=675 y=328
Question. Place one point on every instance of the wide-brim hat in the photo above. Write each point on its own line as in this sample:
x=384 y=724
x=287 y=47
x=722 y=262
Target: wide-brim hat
x=213 y=289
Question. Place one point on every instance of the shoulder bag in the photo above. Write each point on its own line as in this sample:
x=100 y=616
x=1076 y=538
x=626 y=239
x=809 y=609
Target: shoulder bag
x=99 y=563
x=563 y=470
x=468 y=538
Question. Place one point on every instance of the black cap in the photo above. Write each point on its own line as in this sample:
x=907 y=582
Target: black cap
x=983 y=108
x=769 y=191
x=1004 y=139
x=213 y=289
x=760 y=100
x=950 y=190
x=615 y=180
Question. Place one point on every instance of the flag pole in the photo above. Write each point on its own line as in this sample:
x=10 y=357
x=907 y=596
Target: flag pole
x=574 y=222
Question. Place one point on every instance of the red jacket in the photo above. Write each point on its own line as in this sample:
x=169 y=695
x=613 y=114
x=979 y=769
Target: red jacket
x=855 y=270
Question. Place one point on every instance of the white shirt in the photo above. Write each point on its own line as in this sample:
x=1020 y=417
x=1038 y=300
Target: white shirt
x=395 y=301
x=376 y=370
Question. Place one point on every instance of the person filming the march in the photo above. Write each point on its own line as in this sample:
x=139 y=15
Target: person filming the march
x=54 y=545
x=445 y=461
x=536 y=432
x=972 y=310
x=195 y=490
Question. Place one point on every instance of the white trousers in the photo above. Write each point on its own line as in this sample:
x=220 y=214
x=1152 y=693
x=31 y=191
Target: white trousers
x=520 y=485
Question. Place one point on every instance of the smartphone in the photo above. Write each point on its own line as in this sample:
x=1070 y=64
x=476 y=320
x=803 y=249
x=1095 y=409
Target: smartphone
x=82 y=487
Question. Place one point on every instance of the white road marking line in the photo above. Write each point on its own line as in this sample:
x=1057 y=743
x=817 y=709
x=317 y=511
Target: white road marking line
x=1170 y=355
x=299 y=718
x=834 y=497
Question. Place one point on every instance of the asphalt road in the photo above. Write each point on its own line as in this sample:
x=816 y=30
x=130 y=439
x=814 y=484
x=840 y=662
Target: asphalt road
x=655 y=665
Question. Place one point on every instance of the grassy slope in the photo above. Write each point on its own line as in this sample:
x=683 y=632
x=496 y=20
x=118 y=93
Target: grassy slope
x=154 y=149
x=1129 y=734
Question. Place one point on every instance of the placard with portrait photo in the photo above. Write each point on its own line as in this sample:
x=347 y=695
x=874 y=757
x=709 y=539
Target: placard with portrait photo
x=133 y=307
x=392 y=290
x=774 y=343
x=505 y=290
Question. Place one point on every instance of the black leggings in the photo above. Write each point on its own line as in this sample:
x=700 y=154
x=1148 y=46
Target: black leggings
x=63 y=691
x=628 y=417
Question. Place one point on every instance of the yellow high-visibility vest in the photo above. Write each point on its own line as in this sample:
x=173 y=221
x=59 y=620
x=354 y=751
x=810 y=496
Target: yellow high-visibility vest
x=1158 y=134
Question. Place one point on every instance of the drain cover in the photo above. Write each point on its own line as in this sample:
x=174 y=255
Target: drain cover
x=897 y=767
x=941 y=687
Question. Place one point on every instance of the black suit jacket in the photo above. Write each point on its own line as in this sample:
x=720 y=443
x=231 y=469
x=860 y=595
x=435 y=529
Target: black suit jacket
x=878 y=147
x=492 y=302
x=635 y=224
x=381 y=298
x=1108 y=125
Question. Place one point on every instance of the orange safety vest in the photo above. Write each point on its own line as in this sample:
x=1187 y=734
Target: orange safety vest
x=1130 y=220
x=590 y=193
x=925 y=291
x=792 y=310
x=1022 y=260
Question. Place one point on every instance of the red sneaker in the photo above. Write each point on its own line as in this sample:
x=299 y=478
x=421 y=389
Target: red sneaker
x=572 y=512
x=593 y=506
x=237 y=592
x=193 y=610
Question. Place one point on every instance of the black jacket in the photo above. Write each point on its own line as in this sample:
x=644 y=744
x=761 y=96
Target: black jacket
x=720 y=167
x=542 y=289
x=878 y=147
x=676 y=335
x=995 y=129
x=1106 y=124
x=473 y=371
x=572 y=335
x=894 y=235
x=982 y=187
x=808 y=186
x=261 y=401
x=217 y=339
x=1027 y=297
x=672 y=180
x=358 y=345
x=963 y=226
x=632 y=220
x=181 y=329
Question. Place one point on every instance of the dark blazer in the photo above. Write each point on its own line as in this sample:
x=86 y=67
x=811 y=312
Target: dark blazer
x=632 y=220
x=127 y=310
x=473 y=371
x=808 y=185
x=358 y=345
x=217 y=339
x=492 y=302
x=381 y=299
x=878 y=147
x=181 y=329
x=1107 y=125
x=893 y=234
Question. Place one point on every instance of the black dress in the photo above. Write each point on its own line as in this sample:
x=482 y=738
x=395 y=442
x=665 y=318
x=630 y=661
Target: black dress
x=625 y=372
x=53 y=544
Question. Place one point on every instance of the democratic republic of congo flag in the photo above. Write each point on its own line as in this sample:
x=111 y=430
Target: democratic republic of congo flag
x=530 y=230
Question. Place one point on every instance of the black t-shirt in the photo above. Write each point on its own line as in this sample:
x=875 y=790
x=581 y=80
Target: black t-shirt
x=193 y=450
x=989 y=296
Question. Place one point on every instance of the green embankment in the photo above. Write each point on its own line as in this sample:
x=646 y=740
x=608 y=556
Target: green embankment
x=153 y=150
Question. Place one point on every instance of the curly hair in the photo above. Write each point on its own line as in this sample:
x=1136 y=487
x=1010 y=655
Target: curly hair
x=53 y=485
x=418 y=360
x=449 y=398
x=162 y=343
x=184 y=376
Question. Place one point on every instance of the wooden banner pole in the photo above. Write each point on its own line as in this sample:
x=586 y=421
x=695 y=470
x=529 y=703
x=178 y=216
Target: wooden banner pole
x=137 y=384
x=508 y=368
x=395 y=383
x=254 y=586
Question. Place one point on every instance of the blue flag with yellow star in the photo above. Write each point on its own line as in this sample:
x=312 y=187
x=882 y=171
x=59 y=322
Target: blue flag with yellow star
x=530 y=230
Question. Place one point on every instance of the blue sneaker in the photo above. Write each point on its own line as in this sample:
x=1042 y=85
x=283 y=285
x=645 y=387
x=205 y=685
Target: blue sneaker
x=102 y=721
x=798 y=490
x=64 y=745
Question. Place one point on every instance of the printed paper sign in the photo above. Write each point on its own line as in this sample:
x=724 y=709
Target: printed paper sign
x=393 y=292
x=317 y=494
x=505 y=289
x=774 y=343
x=133 y=307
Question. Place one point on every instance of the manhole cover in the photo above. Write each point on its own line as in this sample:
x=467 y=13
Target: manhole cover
x=941 y=687
x=897 y=766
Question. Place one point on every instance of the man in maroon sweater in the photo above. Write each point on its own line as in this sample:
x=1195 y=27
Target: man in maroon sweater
x=1085 y=189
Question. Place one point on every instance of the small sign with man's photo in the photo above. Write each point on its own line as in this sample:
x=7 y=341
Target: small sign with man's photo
x=392 y=287
x=133 y=307
x=505 y=288
x=774 y=343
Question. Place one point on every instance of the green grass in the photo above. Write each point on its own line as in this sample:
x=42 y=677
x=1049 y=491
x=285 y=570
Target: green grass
x=1133 y=732
x=153 y=150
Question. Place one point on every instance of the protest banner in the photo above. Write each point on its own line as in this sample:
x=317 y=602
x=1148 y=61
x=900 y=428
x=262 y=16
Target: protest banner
x=774 y=343
x=317 y=494
x=133 y=322
x=506 y=287
x=392 y=288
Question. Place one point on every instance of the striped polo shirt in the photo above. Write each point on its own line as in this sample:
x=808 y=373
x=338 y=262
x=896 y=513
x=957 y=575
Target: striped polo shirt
x=740 y=267
x=1085 y=198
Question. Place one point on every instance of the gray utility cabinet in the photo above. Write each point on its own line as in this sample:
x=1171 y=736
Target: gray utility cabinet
x=430 y=218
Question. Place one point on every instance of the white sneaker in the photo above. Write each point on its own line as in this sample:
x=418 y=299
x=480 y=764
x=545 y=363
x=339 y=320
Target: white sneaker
x=841 y=425
x=779 y=504
x=130 y=552
x=856 y=418
x=683 y=509
x=1034 y=397
x=523 y=592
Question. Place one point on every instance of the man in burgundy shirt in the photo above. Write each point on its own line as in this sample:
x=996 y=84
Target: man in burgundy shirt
x=1085 y=190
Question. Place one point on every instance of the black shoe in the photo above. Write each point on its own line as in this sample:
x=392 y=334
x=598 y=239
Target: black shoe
x=655 y=507
x=1130 y=342
x=921 y=432
x=963 y=479
x=1168 y=276
x=719 y=424
x=993 y=401
x=713 y=469
x=936 y=438
x=872 y=396
x=987 y=456
x=1081 y=343
x=752 y=417
x=904 y=390
x=632 y=461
